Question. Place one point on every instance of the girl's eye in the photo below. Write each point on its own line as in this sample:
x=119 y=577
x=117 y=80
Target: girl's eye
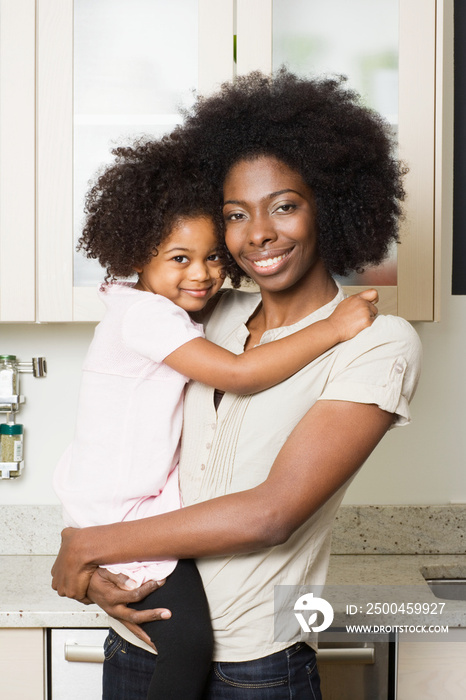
x=180 y=258
x=215 y=257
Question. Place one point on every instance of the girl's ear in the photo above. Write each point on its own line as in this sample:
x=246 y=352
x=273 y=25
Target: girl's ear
x=137 y=269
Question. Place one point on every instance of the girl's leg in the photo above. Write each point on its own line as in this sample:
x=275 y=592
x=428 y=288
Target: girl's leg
x=185 y=641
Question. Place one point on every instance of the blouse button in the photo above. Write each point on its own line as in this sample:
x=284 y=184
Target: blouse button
x=209 y=445
x=202 y=466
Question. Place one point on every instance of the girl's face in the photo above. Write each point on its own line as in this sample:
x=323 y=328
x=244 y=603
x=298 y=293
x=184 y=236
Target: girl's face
x=187 y=268
x=269 y=214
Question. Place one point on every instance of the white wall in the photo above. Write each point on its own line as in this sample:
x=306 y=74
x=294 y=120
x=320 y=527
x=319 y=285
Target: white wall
x=422 y=463
x=425 y=462
x=48 y=414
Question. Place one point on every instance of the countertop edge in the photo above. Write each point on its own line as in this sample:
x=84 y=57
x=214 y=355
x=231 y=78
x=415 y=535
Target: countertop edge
x=47 y=609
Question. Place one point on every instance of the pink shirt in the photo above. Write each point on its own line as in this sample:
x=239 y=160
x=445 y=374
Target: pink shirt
x=123 y=461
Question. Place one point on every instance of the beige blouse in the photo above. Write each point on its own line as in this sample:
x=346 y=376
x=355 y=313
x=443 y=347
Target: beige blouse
x=233 y=449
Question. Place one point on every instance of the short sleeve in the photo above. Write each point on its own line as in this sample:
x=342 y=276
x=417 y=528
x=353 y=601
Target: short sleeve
x=155 y=327
x=381 y=366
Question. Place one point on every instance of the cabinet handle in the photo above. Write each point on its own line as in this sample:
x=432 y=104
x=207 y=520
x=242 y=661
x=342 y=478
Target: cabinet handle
x=89 y=654
x=354 y=656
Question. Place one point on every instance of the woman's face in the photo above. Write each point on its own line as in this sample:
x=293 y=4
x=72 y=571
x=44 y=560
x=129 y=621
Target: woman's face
x=269 y=214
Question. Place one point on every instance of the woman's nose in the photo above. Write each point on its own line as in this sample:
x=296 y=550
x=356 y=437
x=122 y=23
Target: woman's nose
x=261 y=231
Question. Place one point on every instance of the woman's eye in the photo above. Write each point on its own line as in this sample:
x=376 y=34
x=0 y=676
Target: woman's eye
x=285 y=208
x=234 y=216
x=180 y=259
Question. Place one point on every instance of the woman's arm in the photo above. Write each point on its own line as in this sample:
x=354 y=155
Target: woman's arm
x=328 y=446
x=268 y=364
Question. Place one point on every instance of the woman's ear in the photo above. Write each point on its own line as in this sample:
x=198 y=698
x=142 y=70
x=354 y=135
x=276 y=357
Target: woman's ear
x=138 y=270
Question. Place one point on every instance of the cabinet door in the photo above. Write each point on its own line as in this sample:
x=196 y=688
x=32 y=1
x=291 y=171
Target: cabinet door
x=108 y=73
x=432 y=669
x=388 y=51
x=22 y=664
x=17 y=136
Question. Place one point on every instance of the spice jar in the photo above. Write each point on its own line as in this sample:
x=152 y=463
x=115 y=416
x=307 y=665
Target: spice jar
x=11 y=444
x=9 y=384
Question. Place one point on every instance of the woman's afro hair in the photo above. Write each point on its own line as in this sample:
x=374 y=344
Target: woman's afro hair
x=318 y=127
x=136 y=201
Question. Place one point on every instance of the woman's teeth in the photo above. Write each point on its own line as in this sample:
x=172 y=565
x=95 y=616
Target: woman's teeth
x=270 y=261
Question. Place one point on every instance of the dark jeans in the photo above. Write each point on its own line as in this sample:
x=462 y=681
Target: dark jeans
x=287 y=675
x=184 y=644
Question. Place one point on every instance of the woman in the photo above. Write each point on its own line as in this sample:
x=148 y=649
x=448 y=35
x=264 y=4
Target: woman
x=310 y=188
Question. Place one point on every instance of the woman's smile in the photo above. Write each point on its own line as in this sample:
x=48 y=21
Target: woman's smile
x=269 y=262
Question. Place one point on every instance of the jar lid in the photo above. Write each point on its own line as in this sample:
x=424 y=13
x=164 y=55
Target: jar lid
x=14 y=429
x=11 y=358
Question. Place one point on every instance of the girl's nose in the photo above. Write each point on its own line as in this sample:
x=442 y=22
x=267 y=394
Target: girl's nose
x=199 y=271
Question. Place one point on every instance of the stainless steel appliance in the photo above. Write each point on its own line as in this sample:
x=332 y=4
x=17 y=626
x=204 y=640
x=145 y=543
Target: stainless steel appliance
x=357 y=670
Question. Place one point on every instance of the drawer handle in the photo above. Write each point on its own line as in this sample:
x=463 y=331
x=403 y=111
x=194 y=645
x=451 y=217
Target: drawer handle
x=89 y=654
x=353 y=656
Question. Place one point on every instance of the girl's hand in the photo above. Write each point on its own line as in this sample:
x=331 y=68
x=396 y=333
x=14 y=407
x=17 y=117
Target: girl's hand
x=111 y=593
x=354 y=314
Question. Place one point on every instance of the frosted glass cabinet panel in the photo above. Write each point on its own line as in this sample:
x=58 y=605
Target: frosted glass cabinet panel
x=414 y=49
x=358 y=39
x=131 y=73
x=108 y=72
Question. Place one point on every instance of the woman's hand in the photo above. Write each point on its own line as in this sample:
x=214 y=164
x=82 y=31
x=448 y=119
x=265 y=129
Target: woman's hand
x=71 y=573
x=111 y=593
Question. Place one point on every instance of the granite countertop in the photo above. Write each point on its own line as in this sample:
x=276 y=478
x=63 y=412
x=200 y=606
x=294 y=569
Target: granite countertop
x=372 y=547
x=27 y=600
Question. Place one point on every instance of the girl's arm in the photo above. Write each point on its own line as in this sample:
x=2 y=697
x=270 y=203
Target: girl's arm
x=328 y=446
x=266 y=365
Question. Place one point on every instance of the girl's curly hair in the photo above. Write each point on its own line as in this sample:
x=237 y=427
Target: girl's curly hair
x=135 y=203
x=318 y=127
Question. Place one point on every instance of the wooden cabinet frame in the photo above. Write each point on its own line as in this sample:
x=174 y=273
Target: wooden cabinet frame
x=36 y=117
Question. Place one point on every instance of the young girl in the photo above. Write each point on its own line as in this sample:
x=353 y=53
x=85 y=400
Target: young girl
x=147 y=215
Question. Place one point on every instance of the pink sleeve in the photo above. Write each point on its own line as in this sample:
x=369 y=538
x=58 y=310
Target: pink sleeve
x=156 y=327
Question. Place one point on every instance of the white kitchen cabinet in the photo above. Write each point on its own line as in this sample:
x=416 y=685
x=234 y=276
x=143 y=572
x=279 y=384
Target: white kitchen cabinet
x=432 y=670
x=22 y=664
x=39 y=123
x=274 y=31
x=40 y=145
x=73 y=669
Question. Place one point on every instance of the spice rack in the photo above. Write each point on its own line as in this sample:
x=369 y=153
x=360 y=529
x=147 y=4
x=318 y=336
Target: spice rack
x=11 y=433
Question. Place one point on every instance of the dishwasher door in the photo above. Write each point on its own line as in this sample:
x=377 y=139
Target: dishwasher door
x=75 y=663
x=357 y=671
